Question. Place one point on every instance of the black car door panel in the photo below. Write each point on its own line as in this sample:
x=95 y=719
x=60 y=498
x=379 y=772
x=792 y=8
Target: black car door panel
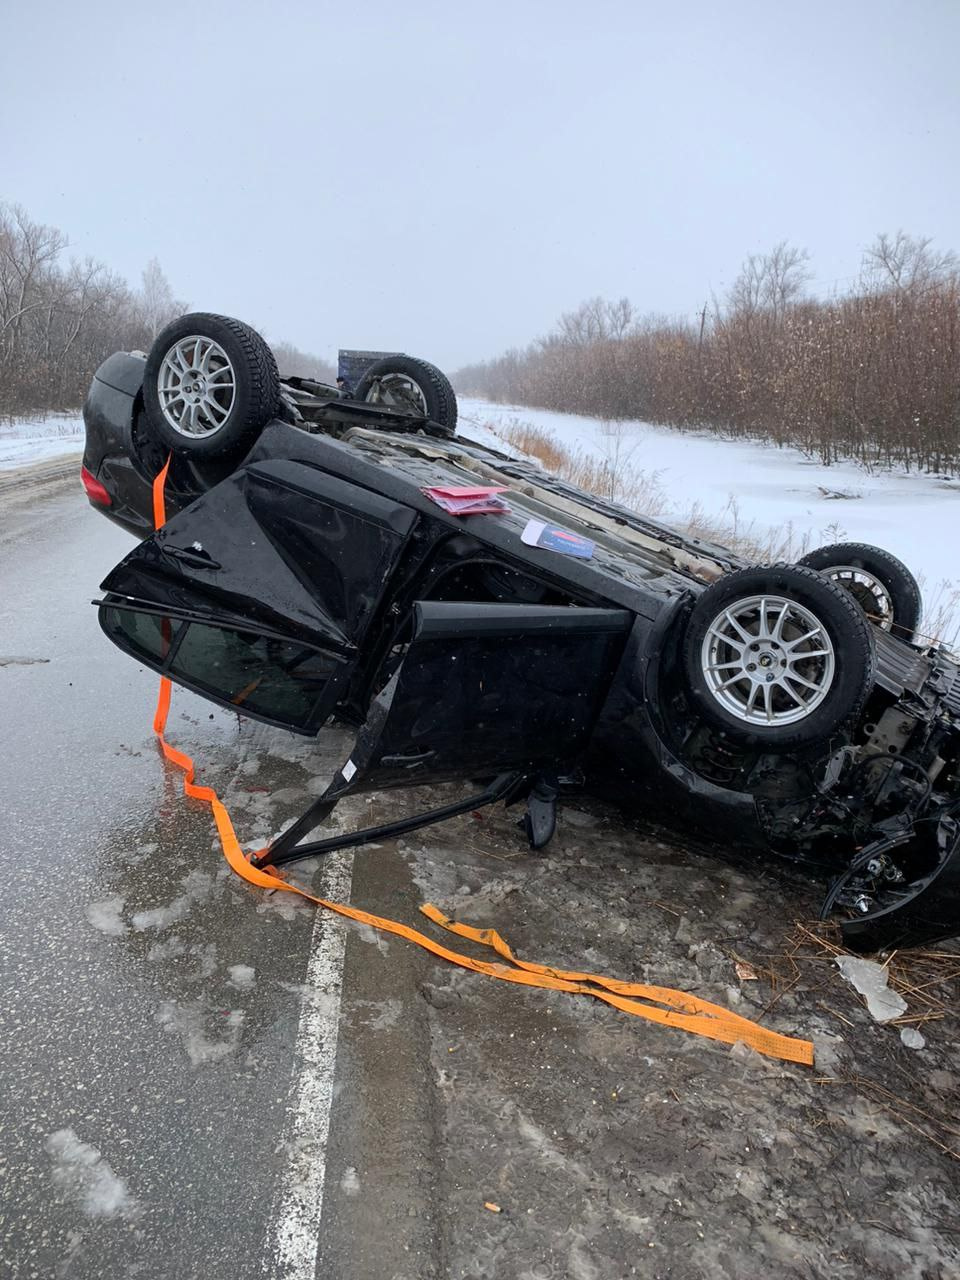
x=277 y=544
x=487 y=687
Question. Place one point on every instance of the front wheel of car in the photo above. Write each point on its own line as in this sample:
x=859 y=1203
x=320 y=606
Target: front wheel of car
x=210 y=386
x=406 y=383
x=881 y=584
x=778 y=657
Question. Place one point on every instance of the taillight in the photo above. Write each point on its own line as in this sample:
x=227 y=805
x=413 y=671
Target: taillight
x=95 y=490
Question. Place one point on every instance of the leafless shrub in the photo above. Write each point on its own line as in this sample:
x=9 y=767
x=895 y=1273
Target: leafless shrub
x=940 y=623
x=622 y=483
x=871 y=375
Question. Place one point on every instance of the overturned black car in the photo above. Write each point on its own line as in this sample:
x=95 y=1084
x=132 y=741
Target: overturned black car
x=310 y=567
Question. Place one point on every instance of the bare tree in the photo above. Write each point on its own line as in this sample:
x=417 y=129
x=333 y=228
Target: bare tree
x=58 y=322
x=157 y=303
x=620 y=317
x=906 y=264
x=595 y=320
x=769 y=283
x=27 y=250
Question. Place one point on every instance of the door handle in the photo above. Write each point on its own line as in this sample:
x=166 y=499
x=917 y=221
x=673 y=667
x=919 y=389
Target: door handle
x=198 y=559
x=408 y=761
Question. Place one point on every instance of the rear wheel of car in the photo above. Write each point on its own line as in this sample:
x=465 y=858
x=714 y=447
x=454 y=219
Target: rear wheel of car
x=210 y=385
x=881 y=584
x=404 y=382
x=778 y=657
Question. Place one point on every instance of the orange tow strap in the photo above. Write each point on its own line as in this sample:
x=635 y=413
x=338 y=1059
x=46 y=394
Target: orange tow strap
x=678 y=1008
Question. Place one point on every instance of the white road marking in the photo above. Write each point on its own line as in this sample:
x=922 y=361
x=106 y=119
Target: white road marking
x=294 y=1232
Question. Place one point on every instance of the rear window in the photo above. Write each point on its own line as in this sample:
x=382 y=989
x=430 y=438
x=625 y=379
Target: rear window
x=263 y=676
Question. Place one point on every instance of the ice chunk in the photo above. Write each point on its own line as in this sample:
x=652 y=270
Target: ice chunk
x=81 y=1171
x=870 y=979
x=197 y=887
x=241 y=976
x=105 y=916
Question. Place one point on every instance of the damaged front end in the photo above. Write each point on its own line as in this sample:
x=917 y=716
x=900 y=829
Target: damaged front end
x=895 y=790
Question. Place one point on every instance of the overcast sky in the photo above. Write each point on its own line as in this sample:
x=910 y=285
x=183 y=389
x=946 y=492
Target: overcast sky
x=447 y=177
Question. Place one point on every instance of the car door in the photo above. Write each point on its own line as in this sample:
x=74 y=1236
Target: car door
x=483 y=688
x=260 y=594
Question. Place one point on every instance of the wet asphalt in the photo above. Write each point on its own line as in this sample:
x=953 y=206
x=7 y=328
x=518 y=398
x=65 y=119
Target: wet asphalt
x=150 y=1001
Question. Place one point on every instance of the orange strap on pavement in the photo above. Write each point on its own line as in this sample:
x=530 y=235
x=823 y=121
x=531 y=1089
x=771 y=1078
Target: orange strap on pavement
x=657 y=1004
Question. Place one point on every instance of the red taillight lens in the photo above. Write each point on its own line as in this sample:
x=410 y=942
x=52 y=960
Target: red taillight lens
x=95 y=490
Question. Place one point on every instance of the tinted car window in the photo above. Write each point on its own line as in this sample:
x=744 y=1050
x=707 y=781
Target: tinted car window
x=279 y=679
x=263 y=676
x=147 y=634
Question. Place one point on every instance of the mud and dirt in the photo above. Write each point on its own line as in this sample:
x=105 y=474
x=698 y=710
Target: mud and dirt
x=614 y=1147
x=482 y=1130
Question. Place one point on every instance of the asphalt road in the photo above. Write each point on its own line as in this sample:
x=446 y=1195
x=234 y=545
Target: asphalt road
x=167 y=1073
x=200 y=1080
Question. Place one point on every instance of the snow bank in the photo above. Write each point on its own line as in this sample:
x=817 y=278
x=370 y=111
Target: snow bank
x=37 y=439
x=913 y=515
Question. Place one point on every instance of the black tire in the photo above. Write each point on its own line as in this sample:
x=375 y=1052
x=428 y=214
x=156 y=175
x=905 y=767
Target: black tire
x=227 y=418
x=439 y=401
x=809 y=689
x=892 y=600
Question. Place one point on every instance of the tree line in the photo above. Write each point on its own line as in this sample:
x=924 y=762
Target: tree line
x=60 y=318
x=871 y=374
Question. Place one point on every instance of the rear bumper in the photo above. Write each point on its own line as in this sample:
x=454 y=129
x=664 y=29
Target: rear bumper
x=109 y=454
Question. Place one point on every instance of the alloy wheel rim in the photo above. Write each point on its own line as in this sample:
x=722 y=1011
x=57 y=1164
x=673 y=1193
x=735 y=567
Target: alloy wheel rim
x=868 y=591
x=197 y=387
x=401 y=391
x=768 y=660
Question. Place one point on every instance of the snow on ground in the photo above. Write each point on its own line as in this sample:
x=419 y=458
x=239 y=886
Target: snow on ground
x=472 y=421
x=915 y=516
x=37 y=439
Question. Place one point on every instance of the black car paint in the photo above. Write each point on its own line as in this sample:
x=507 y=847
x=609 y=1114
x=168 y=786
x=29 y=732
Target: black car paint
x=238 y=547
x=257 y=595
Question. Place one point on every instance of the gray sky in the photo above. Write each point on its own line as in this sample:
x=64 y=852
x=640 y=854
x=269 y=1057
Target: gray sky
x=446 y=178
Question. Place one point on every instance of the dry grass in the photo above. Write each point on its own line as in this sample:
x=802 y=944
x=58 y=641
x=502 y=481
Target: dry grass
x=616 y=477
x=537 y=442
x=613 y=476
x=941 y=614
x=926 y=979
x=758 y=543
x=939 y=1132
